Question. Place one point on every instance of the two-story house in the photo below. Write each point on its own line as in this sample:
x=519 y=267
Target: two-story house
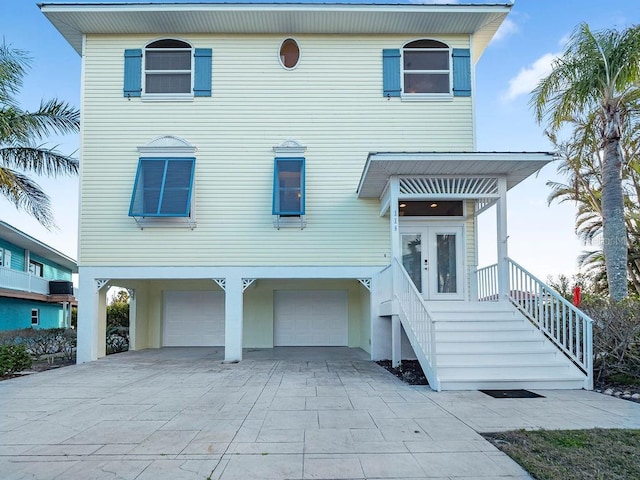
x=268 y=175
x=36 y=288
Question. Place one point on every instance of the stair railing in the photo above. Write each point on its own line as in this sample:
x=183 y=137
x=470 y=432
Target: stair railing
x=570 y=329
x=417 y=321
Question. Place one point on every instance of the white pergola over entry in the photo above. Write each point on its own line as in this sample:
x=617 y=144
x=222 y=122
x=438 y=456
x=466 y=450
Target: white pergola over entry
x=484 y=177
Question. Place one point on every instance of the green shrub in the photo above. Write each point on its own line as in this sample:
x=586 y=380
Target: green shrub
x=13 y=358
x=117 y=340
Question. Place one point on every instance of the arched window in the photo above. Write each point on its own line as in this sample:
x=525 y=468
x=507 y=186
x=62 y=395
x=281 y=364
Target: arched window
x=168 y=67
x=426 y=67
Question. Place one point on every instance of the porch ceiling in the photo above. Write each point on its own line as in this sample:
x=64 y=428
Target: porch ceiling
x=512 y=165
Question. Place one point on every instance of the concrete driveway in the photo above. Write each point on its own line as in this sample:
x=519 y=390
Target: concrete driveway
x=286 y=413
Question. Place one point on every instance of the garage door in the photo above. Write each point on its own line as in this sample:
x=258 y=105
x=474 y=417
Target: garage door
x=310 y=318
x=193 y=319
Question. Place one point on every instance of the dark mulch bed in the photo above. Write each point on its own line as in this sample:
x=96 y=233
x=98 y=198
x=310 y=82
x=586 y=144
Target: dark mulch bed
x=409 y=371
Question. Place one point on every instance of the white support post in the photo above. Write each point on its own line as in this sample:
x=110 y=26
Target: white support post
x=396 y=341
x=87 y=350
x=133 y=324
x=394 y=190
x=233 y=312
x=502 y=238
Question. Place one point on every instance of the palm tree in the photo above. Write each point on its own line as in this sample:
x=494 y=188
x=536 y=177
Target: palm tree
x=598 y=76
x=21 y=137
x=581 y=164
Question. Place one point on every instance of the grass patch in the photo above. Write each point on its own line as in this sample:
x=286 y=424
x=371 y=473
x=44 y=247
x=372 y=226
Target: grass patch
x=573 y=454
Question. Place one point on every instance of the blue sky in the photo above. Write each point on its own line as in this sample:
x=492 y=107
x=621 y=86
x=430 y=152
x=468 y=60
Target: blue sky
x=541 y=237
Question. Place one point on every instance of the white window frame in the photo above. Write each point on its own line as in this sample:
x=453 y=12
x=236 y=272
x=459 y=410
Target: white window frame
x=35 y=315
x=34 y=264
x=170 y=146
x=290 y=148
x=173 y=96
x=426 y=95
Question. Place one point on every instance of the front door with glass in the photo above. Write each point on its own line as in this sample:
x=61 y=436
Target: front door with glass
x=433 y=257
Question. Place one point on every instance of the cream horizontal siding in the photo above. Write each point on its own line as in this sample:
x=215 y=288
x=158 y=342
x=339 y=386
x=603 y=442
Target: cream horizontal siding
x=332 y=103
x=470 y=231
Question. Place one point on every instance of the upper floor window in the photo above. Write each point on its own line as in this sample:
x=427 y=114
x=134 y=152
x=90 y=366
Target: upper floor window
x=163 y=187
x=167 y=70
x=35 y=268
x=288 y=187
x=426 y=67
x=167 y=67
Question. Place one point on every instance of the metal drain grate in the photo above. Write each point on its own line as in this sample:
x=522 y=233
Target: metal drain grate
x=511 y=394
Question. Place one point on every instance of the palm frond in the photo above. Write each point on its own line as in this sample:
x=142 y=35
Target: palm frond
x=39 y=160
x=26 y=195
x=14 y=64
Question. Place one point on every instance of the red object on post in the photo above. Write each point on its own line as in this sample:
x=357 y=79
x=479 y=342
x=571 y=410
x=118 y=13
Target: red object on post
x=577 y=297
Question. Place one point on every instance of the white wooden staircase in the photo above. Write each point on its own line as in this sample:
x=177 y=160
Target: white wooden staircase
x=491 y=345
x=533 y=338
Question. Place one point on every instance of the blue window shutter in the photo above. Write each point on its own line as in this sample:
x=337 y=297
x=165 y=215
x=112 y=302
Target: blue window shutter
x=163 y=187
x=461 y=72
x=202 y=76
x=391 y=72
x=288 y=186
x=132 y=72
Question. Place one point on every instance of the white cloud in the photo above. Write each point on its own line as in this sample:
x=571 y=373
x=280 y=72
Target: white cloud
x=528 y=77
x=508 y=28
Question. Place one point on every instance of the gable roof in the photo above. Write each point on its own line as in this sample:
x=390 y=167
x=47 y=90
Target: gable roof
x=73 y=20
x=20 y=239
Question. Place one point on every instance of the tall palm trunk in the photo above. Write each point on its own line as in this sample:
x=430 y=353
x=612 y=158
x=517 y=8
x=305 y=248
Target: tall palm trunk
x=614 y=230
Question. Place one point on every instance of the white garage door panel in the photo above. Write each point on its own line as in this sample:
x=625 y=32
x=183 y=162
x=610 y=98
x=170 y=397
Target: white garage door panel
x=193 y=319
x=310 y=318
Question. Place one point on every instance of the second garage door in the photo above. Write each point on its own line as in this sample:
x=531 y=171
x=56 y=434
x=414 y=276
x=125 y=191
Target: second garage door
x=310 y=318
x=193 y=319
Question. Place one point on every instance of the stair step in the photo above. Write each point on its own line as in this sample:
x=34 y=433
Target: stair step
x=484 y=327
x=511 y=360
x=475 y=316
x=513 y=384
x=522 y=370
x=472 y=345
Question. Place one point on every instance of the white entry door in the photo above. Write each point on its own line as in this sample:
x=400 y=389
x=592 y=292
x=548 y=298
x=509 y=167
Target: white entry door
x=434 y=258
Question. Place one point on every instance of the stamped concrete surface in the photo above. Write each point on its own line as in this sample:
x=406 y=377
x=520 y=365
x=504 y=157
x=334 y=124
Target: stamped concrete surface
x=285 y=413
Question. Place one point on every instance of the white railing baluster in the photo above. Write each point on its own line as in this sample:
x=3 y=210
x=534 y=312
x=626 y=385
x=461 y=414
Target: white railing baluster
x=570 y=329
x=417 y=321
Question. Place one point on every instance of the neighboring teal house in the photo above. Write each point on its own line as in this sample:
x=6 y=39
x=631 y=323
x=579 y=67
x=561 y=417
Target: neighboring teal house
x=35 y=282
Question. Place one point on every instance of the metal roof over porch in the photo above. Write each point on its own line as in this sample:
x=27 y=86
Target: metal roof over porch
x=514 y=166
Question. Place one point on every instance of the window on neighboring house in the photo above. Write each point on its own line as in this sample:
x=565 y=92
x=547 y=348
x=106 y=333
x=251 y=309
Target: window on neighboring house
x=426 y=69
x=35 y=268
x=35 y=316
x=163 y=187
x=2 y=262
x=288 y=187
x=167 y=69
